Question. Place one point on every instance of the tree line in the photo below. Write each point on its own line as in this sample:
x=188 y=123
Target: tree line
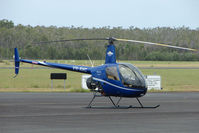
x=25 y=38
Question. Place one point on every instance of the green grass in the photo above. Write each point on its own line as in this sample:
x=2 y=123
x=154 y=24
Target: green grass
x=177 y=79
x=38 y=80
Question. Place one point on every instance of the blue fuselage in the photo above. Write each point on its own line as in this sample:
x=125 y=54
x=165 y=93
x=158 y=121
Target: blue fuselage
x=116 y=86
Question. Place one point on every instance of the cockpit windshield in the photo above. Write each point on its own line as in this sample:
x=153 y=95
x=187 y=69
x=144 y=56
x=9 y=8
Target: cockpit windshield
x=131 y=76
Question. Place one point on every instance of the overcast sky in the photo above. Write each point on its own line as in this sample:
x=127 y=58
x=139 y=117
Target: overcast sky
x=99 y=13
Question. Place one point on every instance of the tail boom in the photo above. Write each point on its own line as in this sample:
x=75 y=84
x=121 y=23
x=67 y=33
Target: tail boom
x=76 y=68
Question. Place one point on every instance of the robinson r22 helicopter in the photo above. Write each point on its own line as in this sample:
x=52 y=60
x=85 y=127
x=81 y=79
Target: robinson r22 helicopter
x=112 y=78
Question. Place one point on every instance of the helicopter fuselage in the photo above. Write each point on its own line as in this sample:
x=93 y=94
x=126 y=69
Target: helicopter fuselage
x=114 y=79
x=118 y=79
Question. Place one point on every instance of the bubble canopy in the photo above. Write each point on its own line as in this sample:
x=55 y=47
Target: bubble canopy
x=131 y=76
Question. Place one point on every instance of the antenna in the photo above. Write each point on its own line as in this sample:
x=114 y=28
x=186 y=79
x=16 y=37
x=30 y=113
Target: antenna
x=90 y=60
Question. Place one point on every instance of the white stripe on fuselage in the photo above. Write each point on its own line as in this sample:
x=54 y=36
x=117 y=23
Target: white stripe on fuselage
x=43 y=63
x=115 y=85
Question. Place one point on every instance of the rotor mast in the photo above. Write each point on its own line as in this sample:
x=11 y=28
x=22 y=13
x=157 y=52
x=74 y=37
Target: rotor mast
x=110 y=52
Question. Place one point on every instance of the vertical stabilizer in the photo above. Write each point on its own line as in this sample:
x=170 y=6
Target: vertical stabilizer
x=17 y=61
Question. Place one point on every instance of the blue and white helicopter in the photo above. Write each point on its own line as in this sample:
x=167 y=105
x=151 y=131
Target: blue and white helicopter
x=121 y=80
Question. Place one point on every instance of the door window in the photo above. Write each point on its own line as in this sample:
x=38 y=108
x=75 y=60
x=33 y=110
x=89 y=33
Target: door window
x=111 y=73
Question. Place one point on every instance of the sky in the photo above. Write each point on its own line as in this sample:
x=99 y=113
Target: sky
x=100 y=13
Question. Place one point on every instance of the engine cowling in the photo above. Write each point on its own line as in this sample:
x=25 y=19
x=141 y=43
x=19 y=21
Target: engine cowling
x=94 y=85
x=91 y=84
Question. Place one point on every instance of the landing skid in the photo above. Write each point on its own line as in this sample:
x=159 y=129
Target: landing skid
x=116 y=105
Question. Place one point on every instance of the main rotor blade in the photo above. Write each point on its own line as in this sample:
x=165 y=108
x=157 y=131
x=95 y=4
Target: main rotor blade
x=159 y=44
x=44 y=42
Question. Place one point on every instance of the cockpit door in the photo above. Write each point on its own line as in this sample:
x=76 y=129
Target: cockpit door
x=112 y=75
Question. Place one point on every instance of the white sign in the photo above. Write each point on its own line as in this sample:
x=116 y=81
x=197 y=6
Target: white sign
x=84 y=78
x=153 y=82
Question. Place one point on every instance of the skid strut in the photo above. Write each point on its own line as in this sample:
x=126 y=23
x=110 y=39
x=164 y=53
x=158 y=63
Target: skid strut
x=116 y=105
